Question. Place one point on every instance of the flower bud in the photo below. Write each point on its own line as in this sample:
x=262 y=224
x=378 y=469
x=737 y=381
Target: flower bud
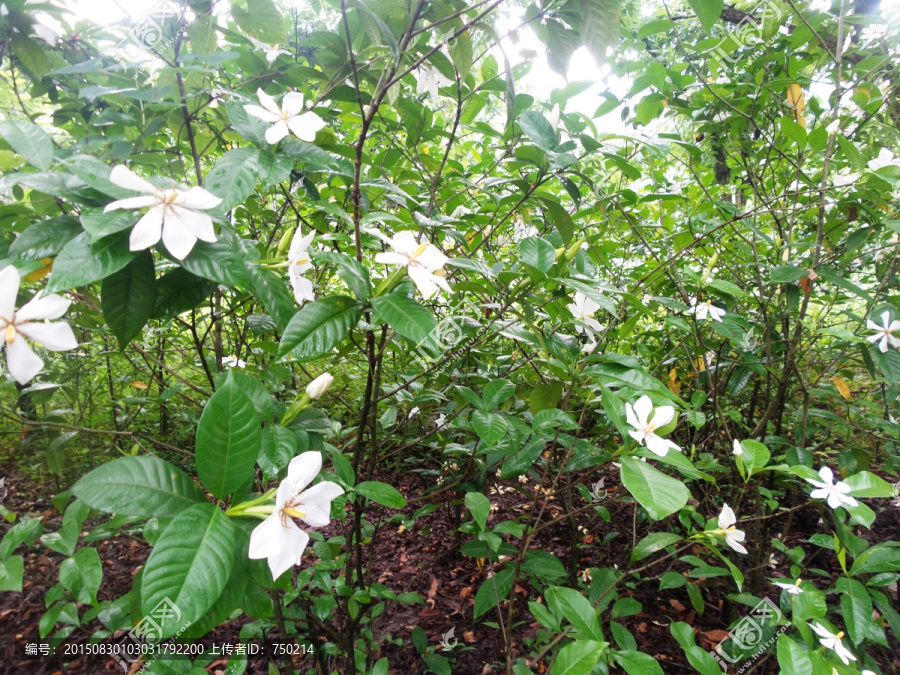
x=319 y=386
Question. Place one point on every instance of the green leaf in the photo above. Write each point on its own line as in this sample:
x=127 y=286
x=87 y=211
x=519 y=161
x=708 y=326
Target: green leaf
x=577 y=610
x=538 y=129
x=82 y=574
x=599 y=28
x=353 y=272
x=489 y=426
x=480 y=507
x=637 y=663
x=12 y=570
x=81 y=262
x=785 y=274
x=189 y=567
x=218 y=262
x=319 y=327
x=708 y=11
x=660 y=494
x=545 y=396
x=497 y=392
x=272 y=291
x=30 y=55
x=138 y=486
x=561 y=220
x=228 y=440
x=128 y=298
x=384 y=494
x=698 y=657
x=407 y=317
x=654 y=27
x=538 y=253
x=178 y=291
x=652 y=543
x=259 y=19
x=577 y=658
x=461 y=53
x=792 y=658
x=492 y=592
x=45 y=238
x=856 y=610
x=278 y=446
x=234 y=177
x=30 y=141
x=866 y=484
x=24 y=532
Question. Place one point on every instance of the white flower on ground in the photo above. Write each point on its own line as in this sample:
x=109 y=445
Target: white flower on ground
x=414 y=411
x=832 y=641
x=28 y=322
x=317 y=388
x=885 y=158
x=298 y=263
x=175 y=216
x=278 y=537
x=421 y=260
x=583 y=309
x=287 y=118
x=644 y=430
x=835 y=494
x=271 y=52
x=884 y=334
x=428 y=79
x=737 y=450
x=733 y=536
x=701 y=309
x=441 y=420
x=792 y=589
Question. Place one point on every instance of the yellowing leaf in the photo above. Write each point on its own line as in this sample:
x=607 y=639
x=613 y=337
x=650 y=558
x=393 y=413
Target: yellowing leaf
x=137 y=384
x=841 y=387
x=797 y=101
x=40 y=273
x=672 y=383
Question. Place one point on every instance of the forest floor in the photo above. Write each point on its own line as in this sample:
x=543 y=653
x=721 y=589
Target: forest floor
x=426 y=560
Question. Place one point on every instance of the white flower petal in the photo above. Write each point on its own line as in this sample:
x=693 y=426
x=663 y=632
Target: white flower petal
x=316 y=503
x=177 y=238
x=130 y=203
x=9 y=289
x=276 y=132
x=642 y=408
x=198 y=198
x=293 y=543
x=302 y=470
x=268 y=102
x=22 y=363
x=727 y=517
x=262 y=113
x=292 y=103
x=424 y=281
x=123 y=177
x=302 y=287
x=389 y=258
x=306 y=126
x=197 y=223
x=663 y=415
x=42 y=307
x=148 y=230
x=56 y=336
x=265 y=538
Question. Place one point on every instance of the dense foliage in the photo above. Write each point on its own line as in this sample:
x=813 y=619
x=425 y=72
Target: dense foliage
x=360 y=239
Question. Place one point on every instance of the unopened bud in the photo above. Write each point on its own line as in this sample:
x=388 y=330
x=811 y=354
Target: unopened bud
x=319 y=386
x=285 y=242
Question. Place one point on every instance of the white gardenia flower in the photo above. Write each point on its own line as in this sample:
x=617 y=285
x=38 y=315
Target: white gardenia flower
x=832 y=641
x=884 y=333
x=286 y=119
x=835 y=494
x=175 y=216
x=792 y=589
x=428 y=79
x=278 y=537
x=885 y=158
x=441 y=420
x=639 y=417
x=843 y=180
x=421 y=260
x=298 y=263
x=733 y=536
x=234 y=362
x=737 y=450
x=317 y=388
x=414 y=411
x=583 y=309
x=271 y=52
x=553 y=118
x=28 y=322
x=701 y=309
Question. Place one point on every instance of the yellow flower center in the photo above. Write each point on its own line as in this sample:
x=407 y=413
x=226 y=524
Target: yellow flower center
x=301 y=261
x=840 y=635
x=709 y=303
x=731 y=529
x=797 y=583
x=419 y=251
x=169 y=196
x=293 y=513
x=10 y=334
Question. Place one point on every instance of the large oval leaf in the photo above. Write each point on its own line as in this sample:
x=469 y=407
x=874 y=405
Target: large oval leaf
x=128 y=298
x=138 y=486
x=655 y=491
x=228 y=440
x=188 y=569
x=81 y=262
x=319 y=327
x=407 y=317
